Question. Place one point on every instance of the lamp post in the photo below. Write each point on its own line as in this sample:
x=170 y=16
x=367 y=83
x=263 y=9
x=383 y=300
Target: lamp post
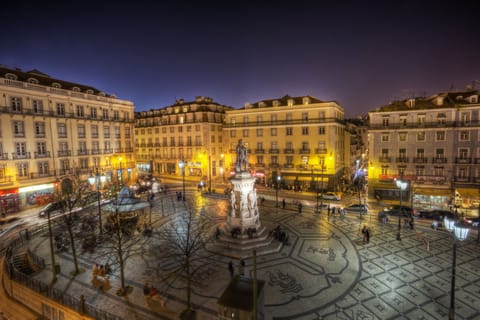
x=276 y=191
x=460 y=232
x=98 y=179
x=402 y=185
x=182 y=168
x=221 y=168
x=316 y=189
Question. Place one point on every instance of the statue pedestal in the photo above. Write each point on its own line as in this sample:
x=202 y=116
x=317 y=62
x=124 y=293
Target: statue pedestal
x=243 y=232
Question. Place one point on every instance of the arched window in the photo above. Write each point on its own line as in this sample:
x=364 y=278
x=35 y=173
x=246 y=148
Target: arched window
x=32 y=80
x=56 y=85
x=10 y=76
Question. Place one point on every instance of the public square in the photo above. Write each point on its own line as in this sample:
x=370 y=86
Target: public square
x=326 y=271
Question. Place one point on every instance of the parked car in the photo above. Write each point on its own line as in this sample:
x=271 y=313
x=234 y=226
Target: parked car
x=396 y=210
x=52 y=208
x=438 y=215
x=330 y=196
x=357 y=208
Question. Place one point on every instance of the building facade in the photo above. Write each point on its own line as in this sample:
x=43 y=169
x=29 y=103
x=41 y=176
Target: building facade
x=299 y=142
x=185 y=132
x=433 y=143
x=51 y=129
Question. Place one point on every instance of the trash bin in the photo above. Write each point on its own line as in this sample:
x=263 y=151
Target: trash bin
x=57 y=269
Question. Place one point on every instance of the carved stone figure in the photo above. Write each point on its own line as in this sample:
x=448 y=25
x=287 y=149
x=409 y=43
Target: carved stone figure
x=242 y=162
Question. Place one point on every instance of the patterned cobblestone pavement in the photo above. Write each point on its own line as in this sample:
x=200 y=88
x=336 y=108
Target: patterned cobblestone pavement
x=326 y=271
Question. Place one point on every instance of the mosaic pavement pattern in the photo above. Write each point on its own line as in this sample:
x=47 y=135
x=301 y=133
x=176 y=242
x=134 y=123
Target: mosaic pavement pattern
x=327 y=272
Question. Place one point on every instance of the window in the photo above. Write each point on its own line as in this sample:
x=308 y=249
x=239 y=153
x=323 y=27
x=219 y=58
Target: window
x=198 y=141
x=116 y=115
x=385 y=122
x=80 y=111
x=20 y=150
x=260 y=160
x=259 y=145
x=245 y=119
x=93 y=113
x=18 y=129
x=420 y=170
x=463 y=153
x=259 y=119
x=321 y=130
x=83 y=162
x=117 y=132
x=106 y=147
x=94 y=129
x=259 y=132
x=440 y=135
x=384 y=153
x=62 y=130
x=95 y=147
x=289 y=131
x=60 y=109
x=289 y=145
x=82 y=147
x=421 y=119
x=180 y=129
x=273 y=118
x=41 y=148
x=274 y=159
x=37 y=106
x=16 y=104
x=106 y=132
x=22 y=170
x=439 y=153
x=245 y=133
x=105 y=114
x=465 y=118
x=172 y=130
x=289 y=160
x=197 y=128
x=421 y=153
x=127 y=132
x=402 y=136
x=81 y=131
x=289 y=117
x=232 y=134
x=39 y=129
x=43 y=168
x=212 y=139
x=421 y=136
x=273 y=132
x=438 y=171
x=304 y=117
x=402 y=153
x=304 y=131
x=385 y=137
x=464 y=135
x=403 y=121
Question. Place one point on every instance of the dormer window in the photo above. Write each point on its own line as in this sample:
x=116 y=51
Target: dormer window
x=32 y=80
x=306 y=100
x=10 y=76
x=290 y=102
x=101 y=94
x=76 y=89
x=56 y=85
x=275 y=103
x=89 y=91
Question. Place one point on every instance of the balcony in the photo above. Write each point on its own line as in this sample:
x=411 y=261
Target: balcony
x=321 y=150
x=38 y=155
x=287 y=151
x=385 y=159
x=420 y=160
x=439 y=160
x=463 y=160
x=261 y=151
x=82 y=152
x=304 y=151
x=21 y=155
x=64 y=153
x=107 y=151
x=274 y=151
x=95 y=151
x=402 y=160
x=4 y=156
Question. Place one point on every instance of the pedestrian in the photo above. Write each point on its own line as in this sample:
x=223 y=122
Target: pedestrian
x=364 y=232
x=328 y=209
x=241 y=267
x=283 y=203
x=300 y=208
x=367 y=233
x=230 y=268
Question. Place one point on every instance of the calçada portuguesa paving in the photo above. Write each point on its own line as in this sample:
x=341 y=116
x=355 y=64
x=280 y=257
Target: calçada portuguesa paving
x=326 y=271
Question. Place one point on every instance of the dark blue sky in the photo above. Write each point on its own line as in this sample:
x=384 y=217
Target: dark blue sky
x=362 y=54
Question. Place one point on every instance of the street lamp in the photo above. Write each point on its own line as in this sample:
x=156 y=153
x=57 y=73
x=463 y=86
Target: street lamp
x=276 y=191
x=221 y=168
x=182 y=168
x=460 y=232
x=98 y=179
x=402 y=185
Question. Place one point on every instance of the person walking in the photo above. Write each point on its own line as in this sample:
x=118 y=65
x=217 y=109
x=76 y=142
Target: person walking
x=241 y=267
x=230 y=268
x=367 y=234
x=283 y=203
x=300 y=208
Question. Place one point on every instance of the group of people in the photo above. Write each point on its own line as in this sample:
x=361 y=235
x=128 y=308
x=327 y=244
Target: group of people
x=101 y=270
x=334 y=210
x=241 y=268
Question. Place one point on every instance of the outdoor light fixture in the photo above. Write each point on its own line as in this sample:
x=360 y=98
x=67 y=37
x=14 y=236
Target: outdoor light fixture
x=460 y=232
x=402 y=185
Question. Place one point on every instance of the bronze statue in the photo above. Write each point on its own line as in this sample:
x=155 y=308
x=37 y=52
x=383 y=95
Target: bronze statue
x=242 y=161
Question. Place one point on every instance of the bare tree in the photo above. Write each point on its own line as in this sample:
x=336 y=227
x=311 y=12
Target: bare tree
x=70 y=194
x=125 y=238
x=183 y=248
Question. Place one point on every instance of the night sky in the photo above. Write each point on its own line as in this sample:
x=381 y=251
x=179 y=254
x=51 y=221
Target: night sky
x=362 y=54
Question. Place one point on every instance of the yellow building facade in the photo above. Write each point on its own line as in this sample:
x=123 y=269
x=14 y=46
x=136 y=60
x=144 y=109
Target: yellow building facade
x=298 y=142
x=51 y=129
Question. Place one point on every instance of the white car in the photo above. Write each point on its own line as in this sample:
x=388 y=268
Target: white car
x=331 y=196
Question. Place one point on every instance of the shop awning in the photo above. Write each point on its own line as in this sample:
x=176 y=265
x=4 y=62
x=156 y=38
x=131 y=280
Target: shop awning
x=433 y=192
x=473 y=193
